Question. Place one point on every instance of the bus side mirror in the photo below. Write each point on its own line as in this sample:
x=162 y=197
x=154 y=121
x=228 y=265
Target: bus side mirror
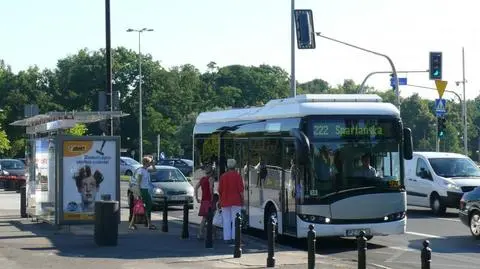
x=302 y=146
x=407 y=144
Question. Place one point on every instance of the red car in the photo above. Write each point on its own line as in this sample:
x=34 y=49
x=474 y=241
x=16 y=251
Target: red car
x=12 y=174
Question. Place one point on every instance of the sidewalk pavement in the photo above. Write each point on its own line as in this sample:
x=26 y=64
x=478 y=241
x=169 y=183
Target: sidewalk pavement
x=27 y=244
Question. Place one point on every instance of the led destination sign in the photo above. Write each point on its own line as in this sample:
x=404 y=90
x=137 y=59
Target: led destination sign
x=352 y=129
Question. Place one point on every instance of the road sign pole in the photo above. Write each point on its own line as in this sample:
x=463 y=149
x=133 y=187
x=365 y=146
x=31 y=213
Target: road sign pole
x=293 y=84
x=437 y=141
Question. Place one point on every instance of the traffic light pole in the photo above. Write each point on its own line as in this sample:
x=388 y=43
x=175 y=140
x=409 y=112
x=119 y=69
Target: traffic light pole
x=437 y=140
x=394 y=71
x=361 y=88
x=464 y=112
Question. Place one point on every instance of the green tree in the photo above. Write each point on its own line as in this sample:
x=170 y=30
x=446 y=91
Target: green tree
x=78 y=130
x=4 y=142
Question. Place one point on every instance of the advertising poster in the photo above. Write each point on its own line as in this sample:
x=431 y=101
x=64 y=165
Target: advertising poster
x=89 y=172
x=30 y=179
x=41 y=175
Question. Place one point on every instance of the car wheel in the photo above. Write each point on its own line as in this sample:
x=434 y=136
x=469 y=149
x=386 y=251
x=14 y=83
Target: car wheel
x=475 y=224
x=128 y=173
x=436 y=205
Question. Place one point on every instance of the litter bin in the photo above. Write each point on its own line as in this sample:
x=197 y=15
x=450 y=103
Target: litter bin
x=106 y=222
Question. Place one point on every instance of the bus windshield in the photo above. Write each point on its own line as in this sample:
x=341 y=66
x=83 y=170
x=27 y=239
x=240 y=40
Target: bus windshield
x=352 y=154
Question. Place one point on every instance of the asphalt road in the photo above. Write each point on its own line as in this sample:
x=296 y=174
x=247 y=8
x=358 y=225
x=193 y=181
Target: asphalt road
x=452 y=245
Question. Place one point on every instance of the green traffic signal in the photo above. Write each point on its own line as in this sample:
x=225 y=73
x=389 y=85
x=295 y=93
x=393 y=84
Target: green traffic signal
x=441 y=123
x=435 y=65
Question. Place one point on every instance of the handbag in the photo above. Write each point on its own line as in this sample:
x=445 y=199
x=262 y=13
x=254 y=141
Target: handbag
x=138 y=208
x=217 y=219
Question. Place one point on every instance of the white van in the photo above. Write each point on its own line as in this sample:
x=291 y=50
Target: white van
x=439 y=179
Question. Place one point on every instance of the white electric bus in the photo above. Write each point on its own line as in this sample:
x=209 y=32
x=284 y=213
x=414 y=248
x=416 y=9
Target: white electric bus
x=334 y=161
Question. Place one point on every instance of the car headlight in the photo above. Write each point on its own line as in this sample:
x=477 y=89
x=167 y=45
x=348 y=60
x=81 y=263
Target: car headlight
x=158 y=191
x=452 y=186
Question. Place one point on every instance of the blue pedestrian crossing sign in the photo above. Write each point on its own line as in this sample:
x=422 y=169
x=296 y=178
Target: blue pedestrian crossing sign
x=440 y=106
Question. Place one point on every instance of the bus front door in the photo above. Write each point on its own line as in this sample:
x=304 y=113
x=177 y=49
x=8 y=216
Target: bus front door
x=289 y=219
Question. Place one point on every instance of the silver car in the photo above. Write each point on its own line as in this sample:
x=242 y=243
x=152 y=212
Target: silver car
x=168 y=182
x=128 y=166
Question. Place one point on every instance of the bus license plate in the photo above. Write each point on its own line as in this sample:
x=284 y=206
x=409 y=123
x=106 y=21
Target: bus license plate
x=356 y=232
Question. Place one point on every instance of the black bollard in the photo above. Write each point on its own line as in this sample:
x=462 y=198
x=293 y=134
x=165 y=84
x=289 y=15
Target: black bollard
x=311 y=235
x=23 y=201
x=426 y=255
x=165 y=215
x=362 y=250
x=271 y=242
x=209 y=237
x=237 y=251
x=185 y=234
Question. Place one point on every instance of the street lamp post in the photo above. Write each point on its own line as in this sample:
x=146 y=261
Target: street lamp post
x=464 y=116
x=140 y=111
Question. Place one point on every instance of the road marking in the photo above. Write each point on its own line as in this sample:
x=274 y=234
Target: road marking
x=426 y=235
x=404 y=249
x=381 y=266
x=456 y=220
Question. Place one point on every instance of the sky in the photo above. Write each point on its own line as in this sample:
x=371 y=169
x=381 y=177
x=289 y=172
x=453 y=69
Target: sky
x=254 y=32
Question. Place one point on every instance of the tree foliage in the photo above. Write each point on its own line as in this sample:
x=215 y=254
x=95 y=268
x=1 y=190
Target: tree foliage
x=173 y=97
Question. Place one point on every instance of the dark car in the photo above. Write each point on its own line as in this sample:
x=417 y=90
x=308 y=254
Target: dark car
x=12 y=173
x=470 y=211
x=184 y=165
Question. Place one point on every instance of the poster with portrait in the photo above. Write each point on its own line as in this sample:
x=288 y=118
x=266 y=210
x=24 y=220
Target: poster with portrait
x=90 y=172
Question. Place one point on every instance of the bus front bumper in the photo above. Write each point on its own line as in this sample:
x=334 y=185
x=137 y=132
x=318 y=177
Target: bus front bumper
x=352 y=230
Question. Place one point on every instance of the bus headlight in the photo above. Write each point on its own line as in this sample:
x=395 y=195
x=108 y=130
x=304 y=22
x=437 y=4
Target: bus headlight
x=394 y=216
x=314 y=219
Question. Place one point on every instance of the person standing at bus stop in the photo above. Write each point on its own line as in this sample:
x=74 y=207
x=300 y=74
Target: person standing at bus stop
x=230 y=189
x=205 y=184
x=143 y=179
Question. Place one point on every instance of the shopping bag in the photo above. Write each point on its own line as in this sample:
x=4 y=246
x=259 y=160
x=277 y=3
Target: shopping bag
x=217 y=219
x=138 y=207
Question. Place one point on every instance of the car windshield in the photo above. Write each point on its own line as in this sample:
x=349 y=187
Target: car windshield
x=130 y=161
x=454 y=167
x=348 y=165
x=167 y=175
x=12 y=164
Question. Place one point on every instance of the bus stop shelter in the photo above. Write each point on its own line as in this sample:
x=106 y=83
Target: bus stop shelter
x=66 y=174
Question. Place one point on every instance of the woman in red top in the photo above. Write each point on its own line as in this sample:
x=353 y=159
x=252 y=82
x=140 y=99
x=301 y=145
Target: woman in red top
x=206 y=185
x=230 y=189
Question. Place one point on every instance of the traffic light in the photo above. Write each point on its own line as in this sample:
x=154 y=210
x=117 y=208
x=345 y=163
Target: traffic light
x=392 y=81
x=435 y=65
x=441 y=127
